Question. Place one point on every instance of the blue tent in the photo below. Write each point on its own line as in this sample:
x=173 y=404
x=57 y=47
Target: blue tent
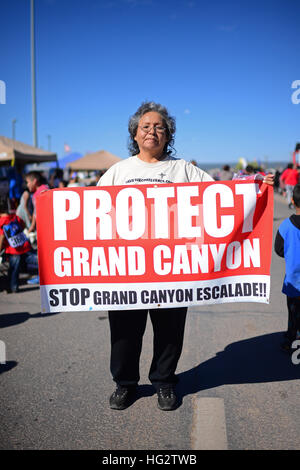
x=62 y=162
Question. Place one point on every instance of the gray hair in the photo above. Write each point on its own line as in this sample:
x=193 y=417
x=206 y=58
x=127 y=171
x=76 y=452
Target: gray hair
x=169 y=121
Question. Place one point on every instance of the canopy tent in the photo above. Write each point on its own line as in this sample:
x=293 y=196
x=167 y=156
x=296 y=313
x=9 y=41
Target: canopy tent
x=64 y=161
x=13 y=151
x=101 y=160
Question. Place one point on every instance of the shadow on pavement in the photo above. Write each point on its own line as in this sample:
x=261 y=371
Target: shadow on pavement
x=8 y=366
x=145 y=390
x=27 y=289
x=253 y=360
x=11 y=319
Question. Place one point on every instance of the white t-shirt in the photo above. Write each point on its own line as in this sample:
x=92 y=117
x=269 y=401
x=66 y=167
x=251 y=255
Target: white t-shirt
x=135 y=171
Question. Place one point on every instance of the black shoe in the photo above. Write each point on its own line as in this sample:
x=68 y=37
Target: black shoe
x=13 y=291
x=122 y=397
x=167 y=399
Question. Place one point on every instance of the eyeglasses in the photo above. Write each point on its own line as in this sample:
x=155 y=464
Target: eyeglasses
x=157 y=128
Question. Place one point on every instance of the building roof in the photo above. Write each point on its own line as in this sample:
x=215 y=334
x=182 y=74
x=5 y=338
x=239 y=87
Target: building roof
x=101 y=160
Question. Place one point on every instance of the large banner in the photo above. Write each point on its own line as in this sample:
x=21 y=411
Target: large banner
x=154 y=246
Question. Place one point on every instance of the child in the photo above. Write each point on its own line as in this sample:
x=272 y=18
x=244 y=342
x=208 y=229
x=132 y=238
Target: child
x=17 y=247
x=287 y=245
x=36 y=184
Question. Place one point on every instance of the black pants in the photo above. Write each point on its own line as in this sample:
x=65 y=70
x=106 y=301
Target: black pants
x=127 y=329
x=293 y=304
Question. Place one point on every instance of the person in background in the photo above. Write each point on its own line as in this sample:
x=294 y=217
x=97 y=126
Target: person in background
x=290 y=177
x=36 y=184
x=260 y=171
x=287 y=245
x=276 y=181
x=74 y=181
x=226 y=174
x=16 y=245
x=63 y=184
x=25 y=208
x=15 y=185
x=55 y=178
x=249 y=170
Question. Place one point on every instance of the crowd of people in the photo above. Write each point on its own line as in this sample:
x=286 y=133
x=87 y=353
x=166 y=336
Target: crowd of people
x=284 y=179
x=18 y=230
x=18 y=240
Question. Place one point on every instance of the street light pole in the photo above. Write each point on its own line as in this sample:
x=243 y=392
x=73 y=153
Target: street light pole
x=14 y=129
x=33 y=90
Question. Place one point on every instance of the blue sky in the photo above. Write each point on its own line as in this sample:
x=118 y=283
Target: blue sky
x=223 y=68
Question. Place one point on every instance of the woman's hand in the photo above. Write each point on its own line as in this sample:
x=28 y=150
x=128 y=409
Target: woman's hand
x=269 y=179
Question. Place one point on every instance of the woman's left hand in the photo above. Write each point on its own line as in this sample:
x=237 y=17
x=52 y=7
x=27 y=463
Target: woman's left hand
x=269 y=179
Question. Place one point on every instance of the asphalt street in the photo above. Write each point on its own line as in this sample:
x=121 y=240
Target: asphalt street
x=237 y=389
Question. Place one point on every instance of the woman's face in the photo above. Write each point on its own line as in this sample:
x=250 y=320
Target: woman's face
x=151 y=135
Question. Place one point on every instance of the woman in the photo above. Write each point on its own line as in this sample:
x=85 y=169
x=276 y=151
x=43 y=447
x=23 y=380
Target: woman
x=152 y=132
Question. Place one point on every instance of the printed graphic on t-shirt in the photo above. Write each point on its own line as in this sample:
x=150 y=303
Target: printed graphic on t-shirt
x=148 y=180
x=14 y=234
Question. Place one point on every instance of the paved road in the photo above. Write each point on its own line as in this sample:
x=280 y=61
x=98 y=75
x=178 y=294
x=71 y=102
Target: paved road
x=237 y=389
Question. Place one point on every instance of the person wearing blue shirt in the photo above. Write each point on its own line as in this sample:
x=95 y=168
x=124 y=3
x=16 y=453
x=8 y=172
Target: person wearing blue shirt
x=287 y=245
x=15 y=184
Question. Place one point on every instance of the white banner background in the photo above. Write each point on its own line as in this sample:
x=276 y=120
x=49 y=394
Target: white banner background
x=85 y=297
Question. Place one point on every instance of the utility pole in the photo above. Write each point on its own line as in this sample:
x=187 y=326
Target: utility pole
x=14 y=129
x=49 y=142
x=33 y=76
